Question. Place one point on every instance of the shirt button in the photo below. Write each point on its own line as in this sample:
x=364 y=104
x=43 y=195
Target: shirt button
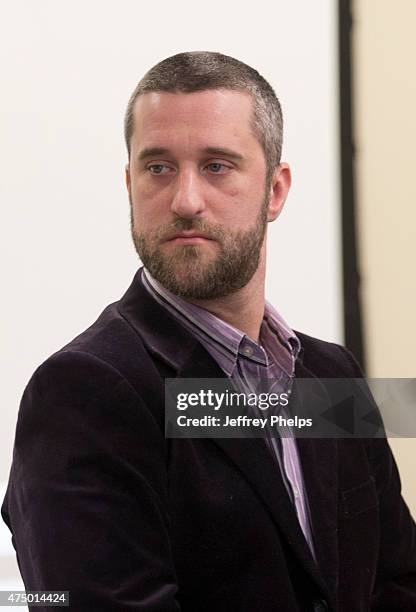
x=247 y=350
x=319 y=605
x=296 y=493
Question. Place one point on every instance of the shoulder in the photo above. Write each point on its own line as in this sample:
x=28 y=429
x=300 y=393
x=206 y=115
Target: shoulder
x=110 y=339
x=108 y=352
x=100 y=379
x=327 y=359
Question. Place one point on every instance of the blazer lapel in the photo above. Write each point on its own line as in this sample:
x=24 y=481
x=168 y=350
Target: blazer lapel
x=319 y=459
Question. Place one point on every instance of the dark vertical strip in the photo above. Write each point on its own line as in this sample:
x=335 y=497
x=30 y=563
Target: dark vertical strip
x=353 y=327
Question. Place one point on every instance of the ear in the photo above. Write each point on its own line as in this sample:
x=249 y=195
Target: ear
x=279 y=190
x=127 y=178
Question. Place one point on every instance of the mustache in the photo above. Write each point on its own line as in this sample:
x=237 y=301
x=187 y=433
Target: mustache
x=197 y=225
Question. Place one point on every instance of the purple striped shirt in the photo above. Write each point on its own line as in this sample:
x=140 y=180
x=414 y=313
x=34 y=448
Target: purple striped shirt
x=245 y=362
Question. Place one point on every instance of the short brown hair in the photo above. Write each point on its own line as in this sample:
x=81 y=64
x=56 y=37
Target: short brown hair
x=201 y=70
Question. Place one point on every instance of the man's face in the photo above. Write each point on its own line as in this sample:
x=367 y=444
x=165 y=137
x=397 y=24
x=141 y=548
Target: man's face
x=196 y=181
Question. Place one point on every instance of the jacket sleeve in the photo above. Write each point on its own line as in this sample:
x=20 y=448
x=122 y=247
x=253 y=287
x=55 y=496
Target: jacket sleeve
x=395 y=581
x=87 y=495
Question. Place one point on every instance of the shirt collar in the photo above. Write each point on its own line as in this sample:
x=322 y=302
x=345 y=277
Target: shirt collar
x=230 y=340
x=284 y=332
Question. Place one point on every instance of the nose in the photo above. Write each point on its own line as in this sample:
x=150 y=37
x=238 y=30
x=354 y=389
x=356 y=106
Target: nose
x=188 y=199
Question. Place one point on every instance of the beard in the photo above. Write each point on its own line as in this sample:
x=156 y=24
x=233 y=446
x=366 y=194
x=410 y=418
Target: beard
x=192 y=271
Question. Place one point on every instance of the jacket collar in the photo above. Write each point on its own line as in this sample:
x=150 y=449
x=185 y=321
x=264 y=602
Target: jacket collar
x=159 y=330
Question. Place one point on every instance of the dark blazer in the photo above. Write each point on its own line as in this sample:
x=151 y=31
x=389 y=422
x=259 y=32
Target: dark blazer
x=101 y=504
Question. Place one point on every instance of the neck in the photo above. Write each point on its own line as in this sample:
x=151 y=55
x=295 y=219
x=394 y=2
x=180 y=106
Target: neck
x=243 y=309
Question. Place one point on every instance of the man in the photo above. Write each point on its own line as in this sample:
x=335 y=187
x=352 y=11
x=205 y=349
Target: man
x=100 y=502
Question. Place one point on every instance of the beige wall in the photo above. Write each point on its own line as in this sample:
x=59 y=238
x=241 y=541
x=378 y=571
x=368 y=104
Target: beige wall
x=384 y=51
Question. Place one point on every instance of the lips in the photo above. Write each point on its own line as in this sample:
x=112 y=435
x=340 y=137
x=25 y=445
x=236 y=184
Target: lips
x=188 y=240
x=188 y=236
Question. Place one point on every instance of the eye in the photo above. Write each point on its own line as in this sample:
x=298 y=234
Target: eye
x=158 y=168
x=217 y=168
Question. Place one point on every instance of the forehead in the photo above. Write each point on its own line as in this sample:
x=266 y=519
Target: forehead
x=205 y=115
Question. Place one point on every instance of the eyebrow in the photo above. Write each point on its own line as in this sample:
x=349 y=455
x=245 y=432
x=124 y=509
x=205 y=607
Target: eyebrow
x=222 y=152
x=217 y=151
x=151 y=152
